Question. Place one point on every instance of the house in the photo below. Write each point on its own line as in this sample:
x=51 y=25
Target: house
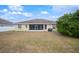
x=6 y=25
x=4 y=22
x=36 y=25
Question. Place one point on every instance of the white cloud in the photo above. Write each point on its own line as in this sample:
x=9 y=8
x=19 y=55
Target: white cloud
x=14 y=12
x=53 y=17
x=15 y=7
x=64 y=8
x=4 y=10
x=44 y=12
x=18 y=10
x=27 y=14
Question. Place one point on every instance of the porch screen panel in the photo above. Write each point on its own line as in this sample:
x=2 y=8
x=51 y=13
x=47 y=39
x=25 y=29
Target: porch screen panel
x=36 y=27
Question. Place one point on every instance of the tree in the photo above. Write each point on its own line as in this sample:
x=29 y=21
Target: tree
x=68 y=24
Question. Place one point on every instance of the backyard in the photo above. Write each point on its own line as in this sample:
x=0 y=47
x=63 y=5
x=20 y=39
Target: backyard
x=34 y=42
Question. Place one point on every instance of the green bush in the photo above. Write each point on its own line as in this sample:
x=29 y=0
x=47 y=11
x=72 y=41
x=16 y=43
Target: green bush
x=69 y=24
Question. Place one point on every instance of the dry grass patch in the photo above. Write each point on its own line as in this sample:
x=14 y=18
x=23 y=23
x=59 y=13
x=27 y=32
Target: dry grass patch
x=37 y=42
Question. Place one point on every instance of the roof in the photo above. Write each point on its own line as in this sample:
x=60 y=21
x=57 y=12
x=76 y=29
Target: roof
x=37 y=21
x=5 y=22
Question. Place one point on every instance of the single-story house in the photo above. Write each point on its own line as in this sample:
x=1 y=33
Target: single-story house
x=35 y=25
x=6 y=25
x=4 y=22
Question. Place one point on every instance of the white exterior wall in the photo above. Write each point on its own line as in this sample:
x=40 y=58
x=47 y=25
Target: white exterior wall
x=27 y=27
x=7 y=28
x=49 y=26
x=24 y=28
x=44 y=27
x=54 y=27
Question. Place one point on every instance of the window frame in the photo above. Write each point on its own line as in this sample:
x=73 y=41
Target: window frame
x=45 y=26
x=19 y=26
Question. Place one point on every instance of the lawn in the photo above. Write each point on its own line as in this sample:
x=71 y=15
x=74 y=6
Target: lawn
x=31 y=42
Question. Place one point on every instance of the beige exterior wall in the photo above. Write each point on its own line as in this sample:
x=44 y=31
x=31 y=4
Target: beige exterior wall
x=49 y=26
x=25 y=27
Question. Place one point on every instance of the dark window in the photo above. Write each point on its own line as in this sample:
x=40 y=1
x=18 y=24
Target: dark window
x=53 y=26
x=26 y=26
x=19 y=25
x=45 y=26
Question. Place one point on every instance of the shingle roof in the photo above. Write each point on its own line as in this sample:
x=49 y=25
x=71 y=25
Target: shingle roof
x=37 y=21
x=5 y=22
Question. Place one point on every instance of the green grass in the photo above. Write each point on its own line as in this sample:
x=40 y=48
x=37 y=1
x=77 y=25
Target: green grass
x=37 y=42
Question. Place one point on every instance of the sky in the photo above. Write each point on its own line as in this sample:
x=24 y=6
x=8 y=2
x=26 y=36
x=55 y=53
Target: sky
x=16 y=13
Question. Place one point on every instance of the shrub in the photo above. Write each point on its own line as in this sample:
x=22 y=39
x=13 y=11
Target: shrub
x=69 y=24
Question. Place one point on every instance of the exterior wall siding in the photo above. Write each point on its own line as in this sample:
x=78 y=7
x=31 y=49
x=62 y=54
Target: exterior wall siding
x=25 y=27
x=49 y=26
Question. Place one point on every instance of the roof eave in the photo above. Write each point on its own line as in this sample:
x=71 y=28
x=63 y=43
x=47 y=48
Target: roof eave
x=36 y=23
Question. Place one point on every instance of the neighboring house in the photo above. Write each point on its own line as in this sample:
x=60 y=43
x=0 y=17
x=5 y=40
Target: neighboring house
x=4 y=22
x=35 y=25
x=6 y=25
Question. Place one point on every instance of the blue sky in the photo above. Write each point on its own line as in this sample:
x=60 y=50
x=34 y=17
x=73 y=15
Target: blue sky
x=16 y=13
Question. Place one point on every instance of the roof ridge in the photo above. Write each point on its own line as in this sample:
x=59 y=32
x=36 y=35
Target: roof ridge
x=36 y=21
